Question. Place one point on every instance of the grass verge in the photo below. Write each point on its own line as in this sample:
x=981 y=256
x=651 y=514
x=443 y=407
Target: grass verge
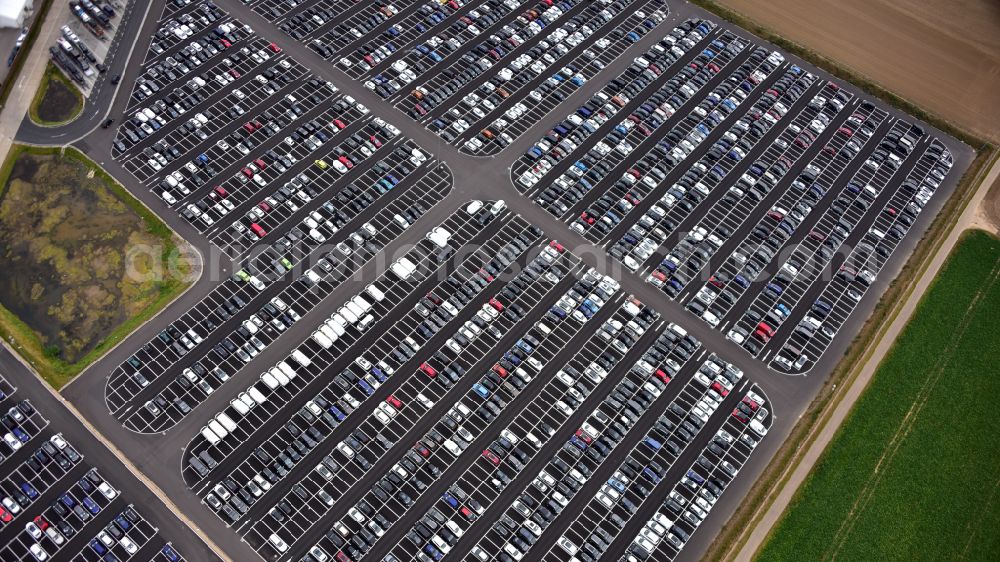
x=913 y=471
x=56 y=371
x=53 y=74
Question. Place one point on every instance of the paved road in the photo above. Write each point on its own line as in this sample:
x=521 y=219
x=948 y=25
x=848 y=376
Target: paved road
x=160 y=457
x=140 y=25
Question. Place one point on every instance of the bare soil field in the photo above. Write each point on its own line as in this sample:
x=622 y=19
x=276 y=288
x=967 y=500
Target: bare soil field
x=942 y=55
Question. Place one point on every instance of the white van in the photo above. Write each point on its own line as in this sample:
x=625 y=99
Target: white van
x=256 y=395
x=279 y=376
x=239 y=406
x=322 y=340
x=217 y=428
x=338 y=324
x=328 y=332
x=299 y=358
x=226 y=421
x=270 y=381
x=209 y=435
x=361 y=303
x=403 y=268
x=366 y=322
x=375 y=293
x=288 y=370
x=439 y=236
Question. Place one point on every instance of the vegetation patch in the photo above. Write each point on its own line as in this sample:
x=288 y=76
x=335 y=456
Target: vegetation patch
x=84 y=262
x=57 y=101
x=912 y=474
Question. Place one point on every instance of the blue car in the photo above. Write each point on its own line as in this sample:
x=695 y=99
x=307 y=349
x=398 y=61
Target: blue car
x=29 y=490
x=20 y=434
x=335 y=411
x=481 y=390
x=450 y=499
x=170 y=553
x=91 y=505
x=366 y=387
x=695 y=476
x=653 y=443
x=651 y=475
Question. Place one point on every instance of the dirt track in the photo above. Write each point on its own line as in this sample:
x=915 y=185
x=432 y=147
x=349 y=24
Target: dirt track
x=942 y=55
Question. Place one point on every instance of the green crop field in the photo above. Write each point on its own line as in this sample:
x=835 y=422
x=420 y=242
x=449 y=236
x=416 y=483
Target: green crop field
x=914 y=472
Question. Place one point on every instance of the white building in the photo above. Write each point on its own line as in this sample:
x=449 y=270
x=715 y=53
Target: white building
x=13 y=12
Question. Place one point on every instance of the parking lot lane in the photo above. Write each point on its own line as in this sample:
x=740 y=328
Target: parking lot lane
x=787 y=174
x=523 y=163
x=406 y=294
x=736 y=451
x=62 y=462
x=484 y=484
x=681 y=128
x=674 y=220
x=357 y=478
x=870 y=231
x=387 y=230
x=633 y=491
x=391 y=339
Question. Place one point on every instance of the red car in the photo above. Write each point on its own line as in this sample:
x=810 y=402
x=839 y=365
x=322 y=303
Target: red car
x=559 y=247
x=717 y=386
x=263 y=205
x=764 y=327
x=467 y=513
x=5 y=515
x=428 y=370
x=422 y=449
x=488 y=454
x=345 y=161
x=41 y=523
x=585 y=217
x=663 y=376
x=220 y=191
x=375 y=141
x=234 y=73
x=260 y=232
x=395 y=403
x=260 y=164
x=247 y=172
x=249 y=127
x=341 y=557
x=486 y=275
x=274 y=48
x=498 y=369
x=339 y=124
x=496 y=304
x=584 y=437
x=226 y=43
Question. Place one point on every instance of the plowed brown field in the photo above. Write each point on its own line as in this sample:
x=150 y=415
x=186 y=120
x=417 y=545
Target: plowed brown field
x=942 y=55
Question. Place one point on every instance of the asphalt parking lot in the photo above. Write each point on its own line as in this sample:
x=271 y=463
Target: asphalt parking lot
x=64 y=497
x=460 y=376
